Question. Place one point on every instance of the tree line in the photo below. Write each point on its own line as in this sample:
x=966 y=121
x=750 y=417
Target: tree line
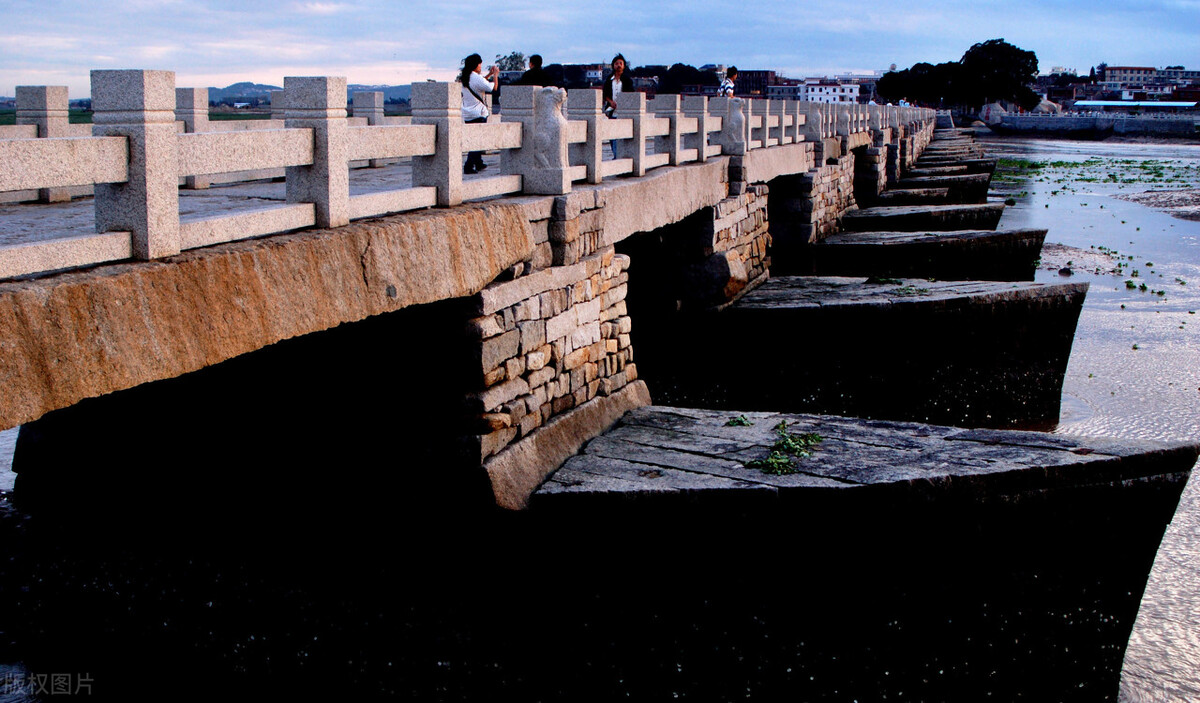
x=989 y=71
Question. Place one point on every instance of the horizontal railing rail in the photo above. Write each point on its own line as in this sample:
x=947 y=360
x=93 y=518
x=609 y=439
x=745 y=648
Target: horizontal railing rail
x=149 y=141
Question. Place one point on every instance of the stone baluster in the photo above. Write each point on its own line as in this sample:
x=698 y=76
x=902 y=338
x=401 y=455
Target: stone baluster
x=276 y=98
x=191 y=108
x=319 y=103
x=759 y=115
x=843 y=121
x=696 y=107
x=782 y=133
x=369 y=104
x=48 y=108
x=796 y=109
x=586 y=105
x=440 y=104
x=735 y=127
x=542 y=161
x=810 y=129
x=875 y=118
x=633 y=106
x=668 y=107
x=140 y=106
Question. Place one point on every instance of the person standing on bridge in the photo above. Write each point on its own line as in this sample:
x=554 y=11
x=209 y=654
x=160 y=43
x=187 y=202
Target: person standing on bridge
x=536 y=75
x=618 y=83
x=726 y=89
x=474 y=109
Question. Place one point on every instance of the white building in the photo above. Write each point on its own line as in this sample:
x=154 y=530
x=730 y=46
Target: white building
x=827 y=90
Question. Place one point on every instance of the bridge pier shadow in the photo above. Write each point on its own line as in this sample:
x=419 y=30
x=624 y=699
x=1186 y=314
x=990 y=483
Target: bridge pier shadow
x=362 y=418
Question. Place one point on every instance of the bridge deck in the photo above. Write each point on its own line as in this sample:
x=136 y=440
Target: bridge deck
x=657 y=450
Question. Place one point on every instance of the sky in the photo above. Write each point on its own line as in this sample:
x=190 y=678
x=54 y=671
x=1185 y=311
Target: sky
x=220 y=42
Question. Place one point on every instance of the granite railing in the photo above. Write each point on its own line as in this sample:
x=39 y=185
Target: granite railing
x=147 y=136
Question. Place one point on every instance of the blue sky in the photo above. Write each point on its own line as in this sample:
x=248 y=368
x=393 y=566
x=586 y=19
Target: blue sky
x=219 y=42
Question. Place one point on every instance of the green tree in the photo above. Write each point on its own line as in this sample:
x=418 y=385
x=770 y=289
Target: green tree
x=996 y=70
x=989 y=71
x=512 y=62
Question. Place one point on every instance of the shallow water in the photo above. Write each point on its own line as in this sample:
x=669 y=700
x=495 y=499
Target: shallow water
x=1135 y=366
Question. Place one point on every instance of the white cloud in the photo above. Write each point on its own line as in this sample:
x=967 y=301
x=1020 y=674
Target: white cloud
x=322 y=8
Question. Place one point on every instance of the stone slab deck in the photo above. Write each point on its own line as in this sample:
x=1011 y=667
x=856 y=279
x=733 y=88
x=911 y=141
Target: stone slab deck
x=964 y=188
x=963 y=255
x=913 y=196
x=656 y=451
x=916 y=218
x=972 y=165
x=953 y=153
x=961 y=353
x=951 y=170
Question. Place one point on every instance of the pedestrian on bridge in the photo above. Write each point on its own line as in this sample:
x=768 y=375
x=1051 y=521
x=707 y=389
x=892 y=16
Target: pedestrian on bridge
x=474 y=109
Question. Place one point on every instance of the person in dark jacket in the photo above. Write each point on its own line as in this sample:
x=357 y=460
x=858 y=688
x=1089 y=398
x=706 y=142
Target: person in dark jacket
x=619 y=82
x=536 y=75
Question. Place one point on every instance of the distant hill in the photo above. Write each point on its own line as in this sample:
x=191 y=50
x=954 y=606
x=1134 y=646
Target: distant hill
x=245 y=89
x=390 y=92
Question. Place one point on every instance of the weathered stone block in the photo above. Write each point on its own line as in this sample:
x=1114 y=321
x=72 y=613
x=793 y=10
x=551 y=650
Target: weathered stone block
x=542 y=376
x=495 y=350
x=533 y=335
x=491 y=399
x=514 y=367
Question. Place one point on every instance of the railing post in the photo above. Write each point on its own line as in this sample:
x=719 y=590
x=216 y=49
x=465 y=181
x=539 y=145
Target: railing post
x=667 y=106
x=369 y=104
x=735 y=127
x=795 y=109
x=585 y=105
x=277 y=111
x=542 y=161
x=779 y=110
x=191 y=108
x=843 y=121
x=761 y=134
x=440 y=104
x=47 y=107
x=696 y=107
x=140 y=106
x=319 y=103
x=633 y=106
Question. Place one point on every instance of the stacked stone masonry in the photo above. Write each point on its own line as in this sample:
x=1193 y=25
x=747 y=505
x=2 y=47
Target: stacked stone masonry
x=549 y=342
x=870 y=171
x=827 y=193
x=740 y=228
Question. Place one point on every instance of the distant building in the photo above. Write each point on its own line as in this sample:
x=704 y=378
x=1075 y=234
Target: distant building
x=786 y=89
x=751 y=82
x=1176 y=75
x=1125 y=75
x=830 y=90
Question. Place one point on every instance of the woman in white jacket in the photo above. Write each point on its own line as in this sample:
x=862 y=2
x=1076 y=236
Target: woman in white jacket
x=474 y=110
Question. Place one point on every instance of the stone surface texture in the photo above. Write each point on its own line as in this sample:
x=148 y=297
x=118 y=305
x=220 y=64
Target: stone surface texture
x=83 y=334
x=666 y=450
x=550 y=342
